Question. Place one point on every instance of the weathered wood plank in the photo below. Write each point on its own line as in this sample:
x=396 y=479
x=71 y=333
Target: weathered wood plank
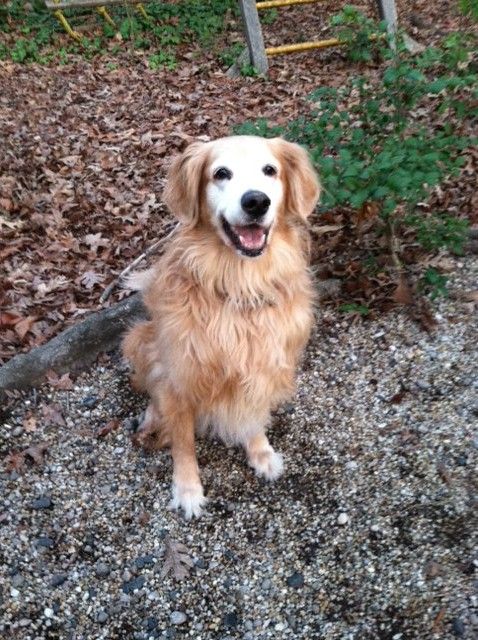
x=255 y=41
x=388 y=12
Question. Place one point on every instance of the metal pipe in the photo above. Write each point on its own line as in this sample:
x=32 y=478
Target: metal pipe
x=67 y=4
x=270 y=4
x=303 y=46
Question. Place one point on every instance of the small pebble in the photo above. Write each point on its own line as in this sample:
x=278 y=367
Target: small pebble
x=18 y=580
x=458 y=627
x=143 y=561
x=43 y=502
x=48 y=613
x=231 y=620
x=45 y=541
x=342 y=519
x=296 y=580
x=102 y=570
x=133 y=585
x=58 y=579
x=102 y=617
x=89 y=401
x=151 y=623
x=178 y=617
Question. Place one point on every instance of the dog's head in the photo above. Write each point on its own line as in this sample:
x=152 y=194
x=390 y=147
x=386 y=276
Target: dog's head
x=242 y=185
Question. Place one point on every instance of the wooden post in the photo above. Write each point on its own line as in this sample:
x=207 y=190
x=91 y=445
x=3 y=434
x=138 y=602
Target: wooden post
x=388 y=12
x=255 y=41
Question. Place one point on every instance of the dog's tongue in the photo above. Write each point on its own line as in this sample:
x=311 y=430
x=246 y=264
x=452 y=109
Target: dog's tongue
x=251 y=237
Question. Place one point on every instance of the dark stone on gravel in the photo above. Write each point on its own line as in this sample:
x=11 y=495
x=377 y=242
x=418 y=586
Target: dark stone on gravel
x=200 y=564
x=58 y=579
x=296 y=580
x=89 y=402
x=45 y=541
x=102 y=617
x=43 y=502
x=231 y=620
x=17 y=580
x=144 y=561
x=151 y=623
x=134 y=584
x=458 y=627
x=102 y=570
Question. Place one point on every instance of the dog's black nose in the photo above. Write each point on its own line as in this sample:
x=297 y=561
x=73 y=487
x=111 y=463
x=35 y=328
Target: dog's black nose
x=255 y=203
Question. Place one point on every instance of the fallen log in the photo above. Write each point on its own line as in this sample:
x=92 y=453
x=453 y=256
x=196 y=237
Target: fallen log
x=74 y=348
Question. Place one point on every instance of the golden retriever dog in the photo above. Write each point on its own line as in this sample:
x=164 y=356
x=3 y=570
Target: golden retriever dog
x=230 y=303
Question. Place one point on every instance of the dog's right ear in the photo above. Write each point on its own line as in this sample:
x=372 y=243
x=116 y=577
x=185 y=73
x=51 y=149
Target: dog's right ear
x=184 y=186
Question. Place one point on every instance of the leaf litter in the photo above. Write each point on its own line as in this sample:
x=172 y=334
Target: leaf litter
x=85 y=153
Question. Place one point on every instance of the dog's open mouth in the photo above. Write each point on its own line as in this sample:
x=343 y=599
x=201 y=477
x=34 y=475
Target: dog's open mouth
x=249 y=239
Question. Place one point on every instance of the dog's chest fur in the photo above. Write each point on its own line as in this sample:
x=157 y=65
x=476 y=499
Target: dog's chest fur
x=230 y=330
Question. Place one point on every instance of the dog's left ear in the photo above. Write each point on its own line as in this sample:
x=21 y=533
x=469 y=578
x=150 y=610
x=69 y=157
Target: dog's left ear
x=301 y=183
x=183 y=191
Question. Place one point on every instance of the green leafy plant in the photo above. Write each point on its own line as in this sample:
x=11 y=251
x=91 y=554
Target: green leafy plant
x=365 y=39
x=469 y=7
x=249 y=71
x=369 y=145
x=440 y=231
x=433 y=283
x=161 y=60
x=382 y=143
x=229 y=56
x=269 y=16
x=353 y=307
x=167 y=25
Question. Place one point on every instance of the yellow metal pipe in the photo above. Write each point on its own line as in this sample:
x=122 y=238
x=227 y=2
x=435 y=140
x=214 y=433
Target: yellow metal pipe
x=105 y=15
x=303 y=46
x=141 y=10
x=66 y=25
x=270 y=4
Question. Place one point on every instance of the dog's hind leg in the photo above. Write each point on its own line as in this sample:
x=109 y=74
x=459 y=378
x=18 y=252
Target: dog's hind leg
x=152 y=432
x=266 y=462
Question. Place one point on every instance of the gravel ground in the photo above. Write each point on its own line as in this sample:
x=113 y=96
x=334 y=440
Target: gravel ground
x=370 y=533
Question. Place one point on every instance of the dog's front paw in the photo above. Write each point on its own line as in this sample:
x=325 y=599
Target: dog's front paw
x=190 y=498
x=267 y=463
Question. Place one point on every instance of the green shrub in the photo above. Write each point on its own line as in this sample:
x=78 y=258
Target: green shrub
x=370 y=143
x=166 y=25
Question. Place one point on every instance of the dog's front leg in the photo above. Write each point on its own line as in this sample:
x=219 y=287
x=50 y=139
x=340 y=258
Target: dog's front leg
x=187 y=488
x=263 y=459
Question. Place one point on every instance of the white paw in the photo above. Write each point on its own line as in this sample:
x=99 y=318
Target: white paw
x=189 y=498
x=267 y=464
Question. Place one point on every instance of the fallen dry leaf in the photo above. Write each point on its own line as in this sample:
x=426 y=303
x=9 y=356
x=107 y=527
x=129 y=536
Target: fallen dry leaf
x=29 y=423
x=22 y=327
x=64 y=382
x=403 y=293
x=110 y=426
x=16 y=460
x=471 y=296
x=176 y=560
x=53 y=414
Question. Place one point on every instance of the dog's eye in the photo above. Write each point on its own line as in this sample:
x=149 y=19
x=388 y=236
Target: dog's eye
x=269 y=170
x=222 y=174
